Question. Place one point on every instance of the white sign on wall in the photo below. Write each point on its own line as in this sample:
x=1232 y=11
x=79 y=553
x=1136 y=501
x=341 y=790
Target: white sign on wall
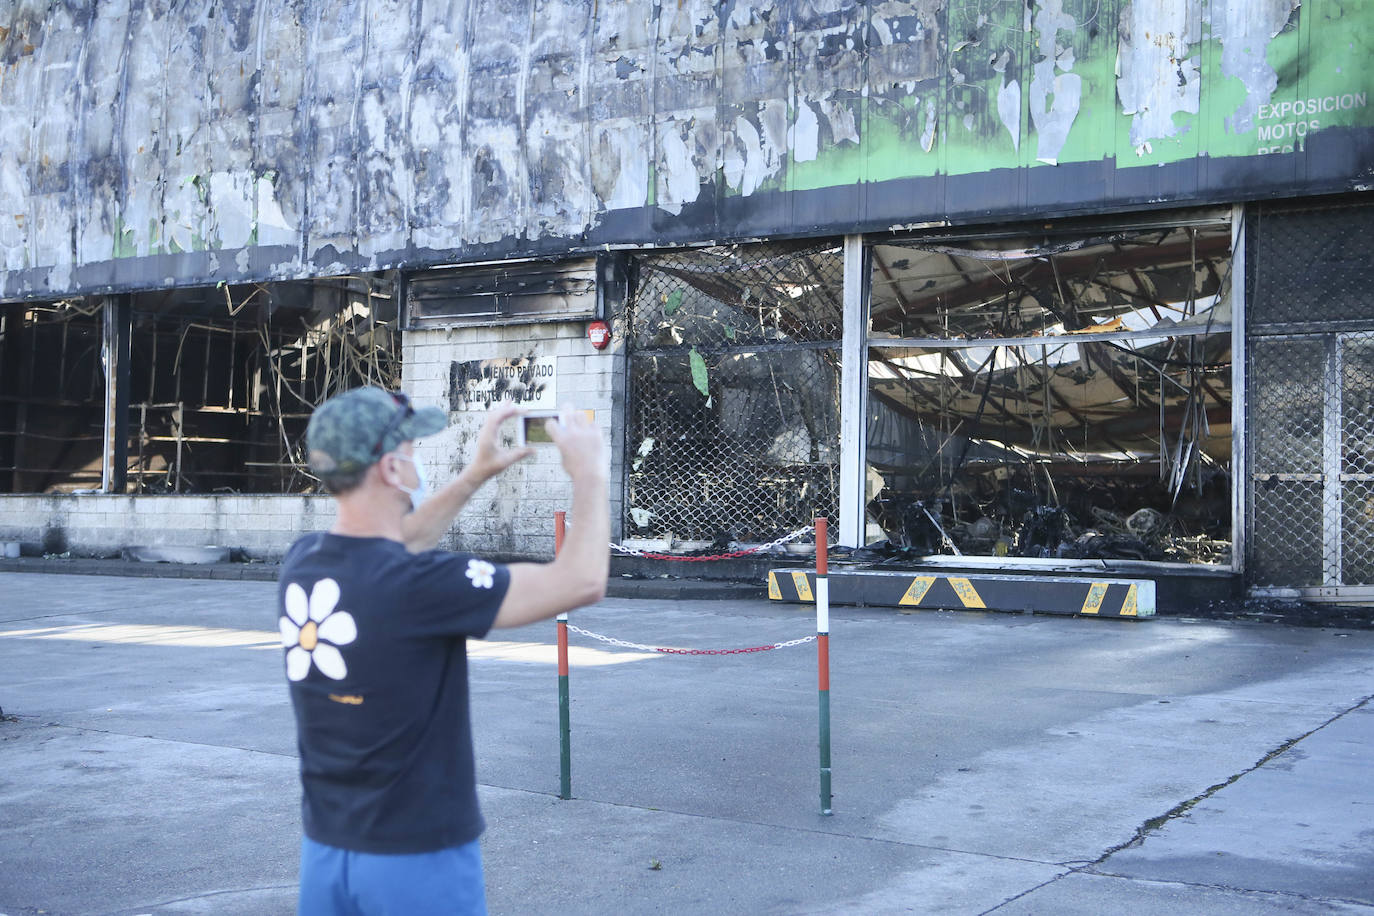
x=477 y=384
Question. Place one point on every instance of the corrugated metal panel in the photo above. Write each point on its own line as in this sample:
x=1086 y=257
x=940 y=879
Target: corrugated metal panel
x=187 y=144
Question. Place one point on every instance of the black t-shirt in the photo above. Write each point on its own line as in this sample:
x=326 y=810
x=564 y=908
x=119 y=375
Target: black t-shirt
x=376 y=659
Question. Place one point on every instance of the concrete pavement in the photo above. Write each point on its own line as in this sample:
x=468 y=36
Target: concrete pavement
x=983 y=762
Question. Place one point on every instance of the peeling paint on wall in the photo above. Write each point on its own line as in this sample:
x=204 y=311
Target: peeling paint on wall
x=278 y=139
x=1158 y=75
x=1055 y=91
x=1244 y=30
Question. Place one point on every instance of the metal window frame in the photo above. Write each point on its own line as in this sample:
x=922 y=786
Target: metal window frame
x=1335 y=335
x=1240 y=470
x=633 y=350
x=1332 y=479
x=854 y=392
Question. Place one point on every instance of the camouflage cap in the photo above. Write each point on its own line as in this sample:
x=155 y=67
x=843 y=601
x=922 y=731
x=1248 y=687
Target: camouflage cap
x=350 y=431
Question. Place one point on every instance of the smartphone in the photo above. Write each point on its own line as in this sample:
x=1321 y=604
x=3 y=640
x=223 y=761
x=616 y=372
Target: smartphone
x=530 y=428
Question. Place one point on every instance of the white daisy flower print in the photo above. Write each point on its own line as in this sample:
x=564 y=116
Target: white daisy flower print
x=312 y=630
x=481 y=573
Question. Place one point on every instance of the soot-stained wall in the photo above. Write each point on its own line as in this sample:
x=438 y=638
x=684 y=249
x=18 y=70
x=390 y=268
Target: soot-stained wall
x=512 y=515
x=153 y=143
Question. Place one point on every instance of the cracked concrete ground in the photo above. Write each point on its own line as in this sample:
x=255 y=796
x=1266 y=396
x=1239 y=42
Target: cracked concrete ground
x=983 y=763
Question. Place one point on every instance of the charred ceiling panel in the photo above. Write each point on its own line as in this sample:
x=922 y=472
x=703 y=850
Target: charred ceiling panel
x=173 y=144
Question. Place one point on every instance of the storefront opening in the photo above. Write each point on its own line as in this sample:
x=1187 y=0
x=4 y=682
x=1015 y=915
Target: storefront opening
x=1053 y=394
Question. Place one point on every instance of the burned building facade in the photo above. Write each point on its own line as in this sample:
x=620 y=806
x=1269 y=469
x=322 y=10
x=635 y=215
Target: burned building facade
x=1024 y=282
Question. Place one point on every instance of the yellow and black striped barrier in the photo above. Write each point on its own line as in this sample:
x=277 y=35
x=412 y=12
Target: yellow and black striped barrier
x=1094 y=597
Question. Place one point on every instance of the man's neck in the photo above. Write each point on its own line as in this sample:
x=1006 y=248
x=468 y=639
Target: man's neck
x=368 y=514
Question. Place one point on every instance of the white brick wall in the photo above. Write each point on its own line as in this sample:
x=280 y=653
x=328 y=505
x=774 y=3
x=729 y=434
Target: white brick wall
x=513 y=515
x=261 y=527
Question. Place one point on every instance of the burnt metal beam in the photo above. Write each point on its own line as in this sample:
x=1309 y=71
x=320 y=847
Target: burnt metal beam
x=1040 y=270
x=1117 y=428
x=10 y=360
x=120 y=311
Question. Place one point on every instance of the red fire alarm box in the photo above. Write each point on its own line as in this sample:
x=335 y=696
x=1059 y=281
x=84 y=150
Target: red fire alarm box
x=599 y=333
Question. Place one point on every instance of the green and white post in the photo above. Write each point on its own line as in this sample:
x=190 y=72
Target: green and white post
x=564 y=712
x=823 y=654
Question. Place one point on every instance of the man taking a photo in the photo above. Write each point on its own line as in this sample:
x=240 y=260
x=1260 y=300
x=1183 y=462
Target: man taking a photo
x=375 y=621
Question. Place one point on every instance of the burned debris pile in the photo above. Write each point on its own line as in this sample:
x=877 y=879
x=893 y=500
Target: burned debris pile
x=920 y=529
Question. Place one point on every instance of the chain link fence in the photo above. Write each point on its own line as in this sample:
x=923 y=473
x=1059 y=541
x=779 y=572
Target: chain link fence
x=1285 y=429
x=1310 y=404
x=734 y=392
x=1309 y=266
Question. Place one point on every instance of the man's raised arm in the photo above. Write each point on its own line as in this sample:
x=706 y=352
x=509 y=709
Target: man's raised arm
x=577 y=576
x=423 y=528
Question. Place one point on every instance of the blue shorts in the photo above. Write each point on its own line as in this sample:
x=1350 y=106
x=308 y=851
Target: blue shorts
x=337 y=882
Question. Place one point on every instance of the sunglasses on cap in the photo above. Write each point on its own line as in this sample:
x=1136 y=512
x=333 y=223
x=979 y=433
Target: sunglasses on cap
x=404 y=410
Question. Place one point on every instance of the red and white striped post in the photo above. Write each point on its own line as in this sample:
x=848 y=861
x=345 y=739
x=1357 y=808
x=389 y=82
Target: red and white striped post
x=823 y=654
x=560 y=521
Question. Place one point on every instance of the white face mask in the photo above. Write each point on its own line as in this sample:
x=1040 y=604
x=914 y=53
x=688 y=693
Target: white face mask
x=421 y=490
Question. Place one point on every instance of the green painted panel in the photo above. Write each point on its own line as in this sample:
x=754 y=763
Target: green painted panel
x=1075 y=81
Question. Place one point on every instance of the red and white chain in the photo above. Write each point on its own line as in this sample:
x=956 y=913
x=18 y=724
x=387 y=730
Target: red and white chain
x=620 y=643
